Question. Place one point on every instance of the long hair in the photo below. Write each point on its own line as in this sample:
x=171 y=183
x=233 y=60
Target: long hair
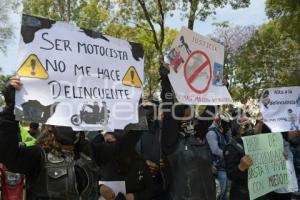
x=49 y=142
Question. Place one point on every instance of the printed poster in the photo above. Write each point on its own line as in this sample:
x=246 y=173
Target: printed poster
x=280 y=108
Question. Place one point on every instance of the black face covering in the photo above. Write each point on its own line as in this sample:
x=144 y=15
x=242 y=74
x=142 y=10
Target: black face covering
x=65 y=135
x=248 y=130
x=187 y=128
x=225 y=126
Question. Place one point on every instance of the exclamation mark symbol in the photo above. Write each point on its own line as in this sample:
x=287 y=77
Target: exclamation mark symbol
x=33 y=63
x=132 y=77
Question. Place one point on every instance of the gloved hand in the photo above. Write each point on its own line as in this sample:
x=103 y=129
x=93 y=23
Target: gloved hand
x=164 y=70
x=9 y=95
x=120 y=196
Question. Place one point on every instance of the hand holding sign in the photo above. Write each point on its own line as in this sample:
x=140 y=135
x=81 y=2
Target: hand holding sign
x=245 y=163
x=9 y=93
x=15 y=82
x=107 y=193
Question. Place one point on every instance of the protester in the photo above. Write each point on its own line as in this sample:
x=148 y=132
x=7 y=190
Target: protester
x=236 y=162
x=13 y=184
x=122 y=164
x=149 y=146
x=295 y=148
x=34 y=130
x=217 y=139
x=205 y=120
x=191 y=174
x=284 y=193
x=54 y=169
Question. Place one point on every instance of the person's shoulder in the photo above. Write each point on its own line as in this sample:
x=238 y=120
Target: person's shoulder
x=34 y=151
x=235 y=144
x=210 y=133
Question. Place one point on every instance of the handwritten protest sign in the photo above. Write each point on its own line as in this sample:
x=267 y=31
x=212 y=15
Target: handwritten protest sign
x=76 y=77
x=280 y=108
x=196 y=74
x=269 y=171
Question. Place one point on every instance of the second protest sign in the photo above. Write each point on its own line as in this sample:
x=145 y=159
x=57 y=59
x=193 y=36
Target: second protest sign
x=269 y=170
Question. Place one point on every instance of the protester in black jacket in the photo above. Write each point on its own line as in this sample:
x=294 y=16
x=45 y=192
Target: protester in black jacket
x=187 y=155
x=122 y=166
x=54 y=168
x=236 y=162
x=149 y=146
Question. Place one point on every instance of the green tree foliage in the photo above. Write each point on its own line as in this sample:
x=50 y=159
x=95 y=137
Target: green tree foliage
x=149 y=19
x=201 y=9
x=95 y=15
x=270 y=59
x=141 y=35
x=286 y=15
x=149 y=15
x=7 y=8
x=91 y=14
x=3 y=82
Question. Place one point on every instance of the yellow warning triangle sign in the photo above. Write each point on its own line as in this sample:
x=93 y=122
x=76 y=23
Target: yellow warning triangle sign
x=132 y=78
x=33 y=68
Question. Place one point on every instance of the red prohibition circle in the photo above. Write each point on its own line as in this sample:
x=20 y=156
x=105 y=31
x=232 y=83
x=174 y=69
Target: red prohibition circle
x=198 y=70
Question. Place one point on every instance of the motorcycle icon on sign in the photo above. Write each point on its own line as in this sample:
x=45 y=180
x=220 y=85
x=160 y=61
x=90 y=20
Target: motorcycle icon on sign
x=175 y=59
x=96 y=116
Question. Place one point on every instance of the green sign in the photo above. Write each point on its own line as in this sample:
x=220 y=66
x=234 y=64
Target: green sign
x=269 y=171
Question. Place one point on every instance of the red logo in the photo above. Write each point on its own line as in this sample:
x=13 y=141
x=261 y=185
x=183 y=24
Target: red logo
x=194 y=68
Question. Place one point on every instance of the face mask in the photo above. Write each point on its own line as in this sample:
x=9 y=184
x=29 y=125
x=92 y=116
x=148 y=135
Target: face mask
x=248 y=129
x=225 y=126
x=187 y=128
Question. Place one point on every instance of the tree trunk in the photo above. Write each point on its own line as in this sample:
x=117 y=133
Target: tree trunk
x=192 y=15
x=150 y=86
x=191 y=24
x=69 y=10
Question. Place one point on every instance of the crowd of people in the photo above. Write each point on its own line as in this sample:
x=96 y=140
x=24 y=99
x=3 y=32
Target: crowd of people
x=178 y=157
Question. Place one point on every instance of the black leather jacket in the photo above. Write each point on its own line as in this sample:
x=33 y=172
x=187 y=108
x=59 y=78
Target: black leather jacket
x=49 y=179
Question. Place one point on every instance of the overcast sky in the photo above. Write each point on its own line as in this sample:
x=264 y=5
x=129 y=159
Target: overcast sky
x=253 y=15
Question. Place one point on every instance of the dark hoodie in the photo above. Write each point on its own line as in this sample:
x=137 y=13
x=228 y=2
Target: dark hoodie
x=190 y=172
x=118 y=163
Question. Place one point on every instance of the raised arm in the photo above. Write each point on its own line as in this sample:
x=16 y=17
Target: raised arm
x=18 y=159
x=169 y=136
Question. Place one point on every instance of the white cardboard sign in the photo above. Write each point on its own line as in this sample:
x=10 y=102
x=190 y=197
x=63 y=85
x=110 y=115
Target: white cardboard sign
x=197 y=70
x=280 y=108
x=76 y=77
